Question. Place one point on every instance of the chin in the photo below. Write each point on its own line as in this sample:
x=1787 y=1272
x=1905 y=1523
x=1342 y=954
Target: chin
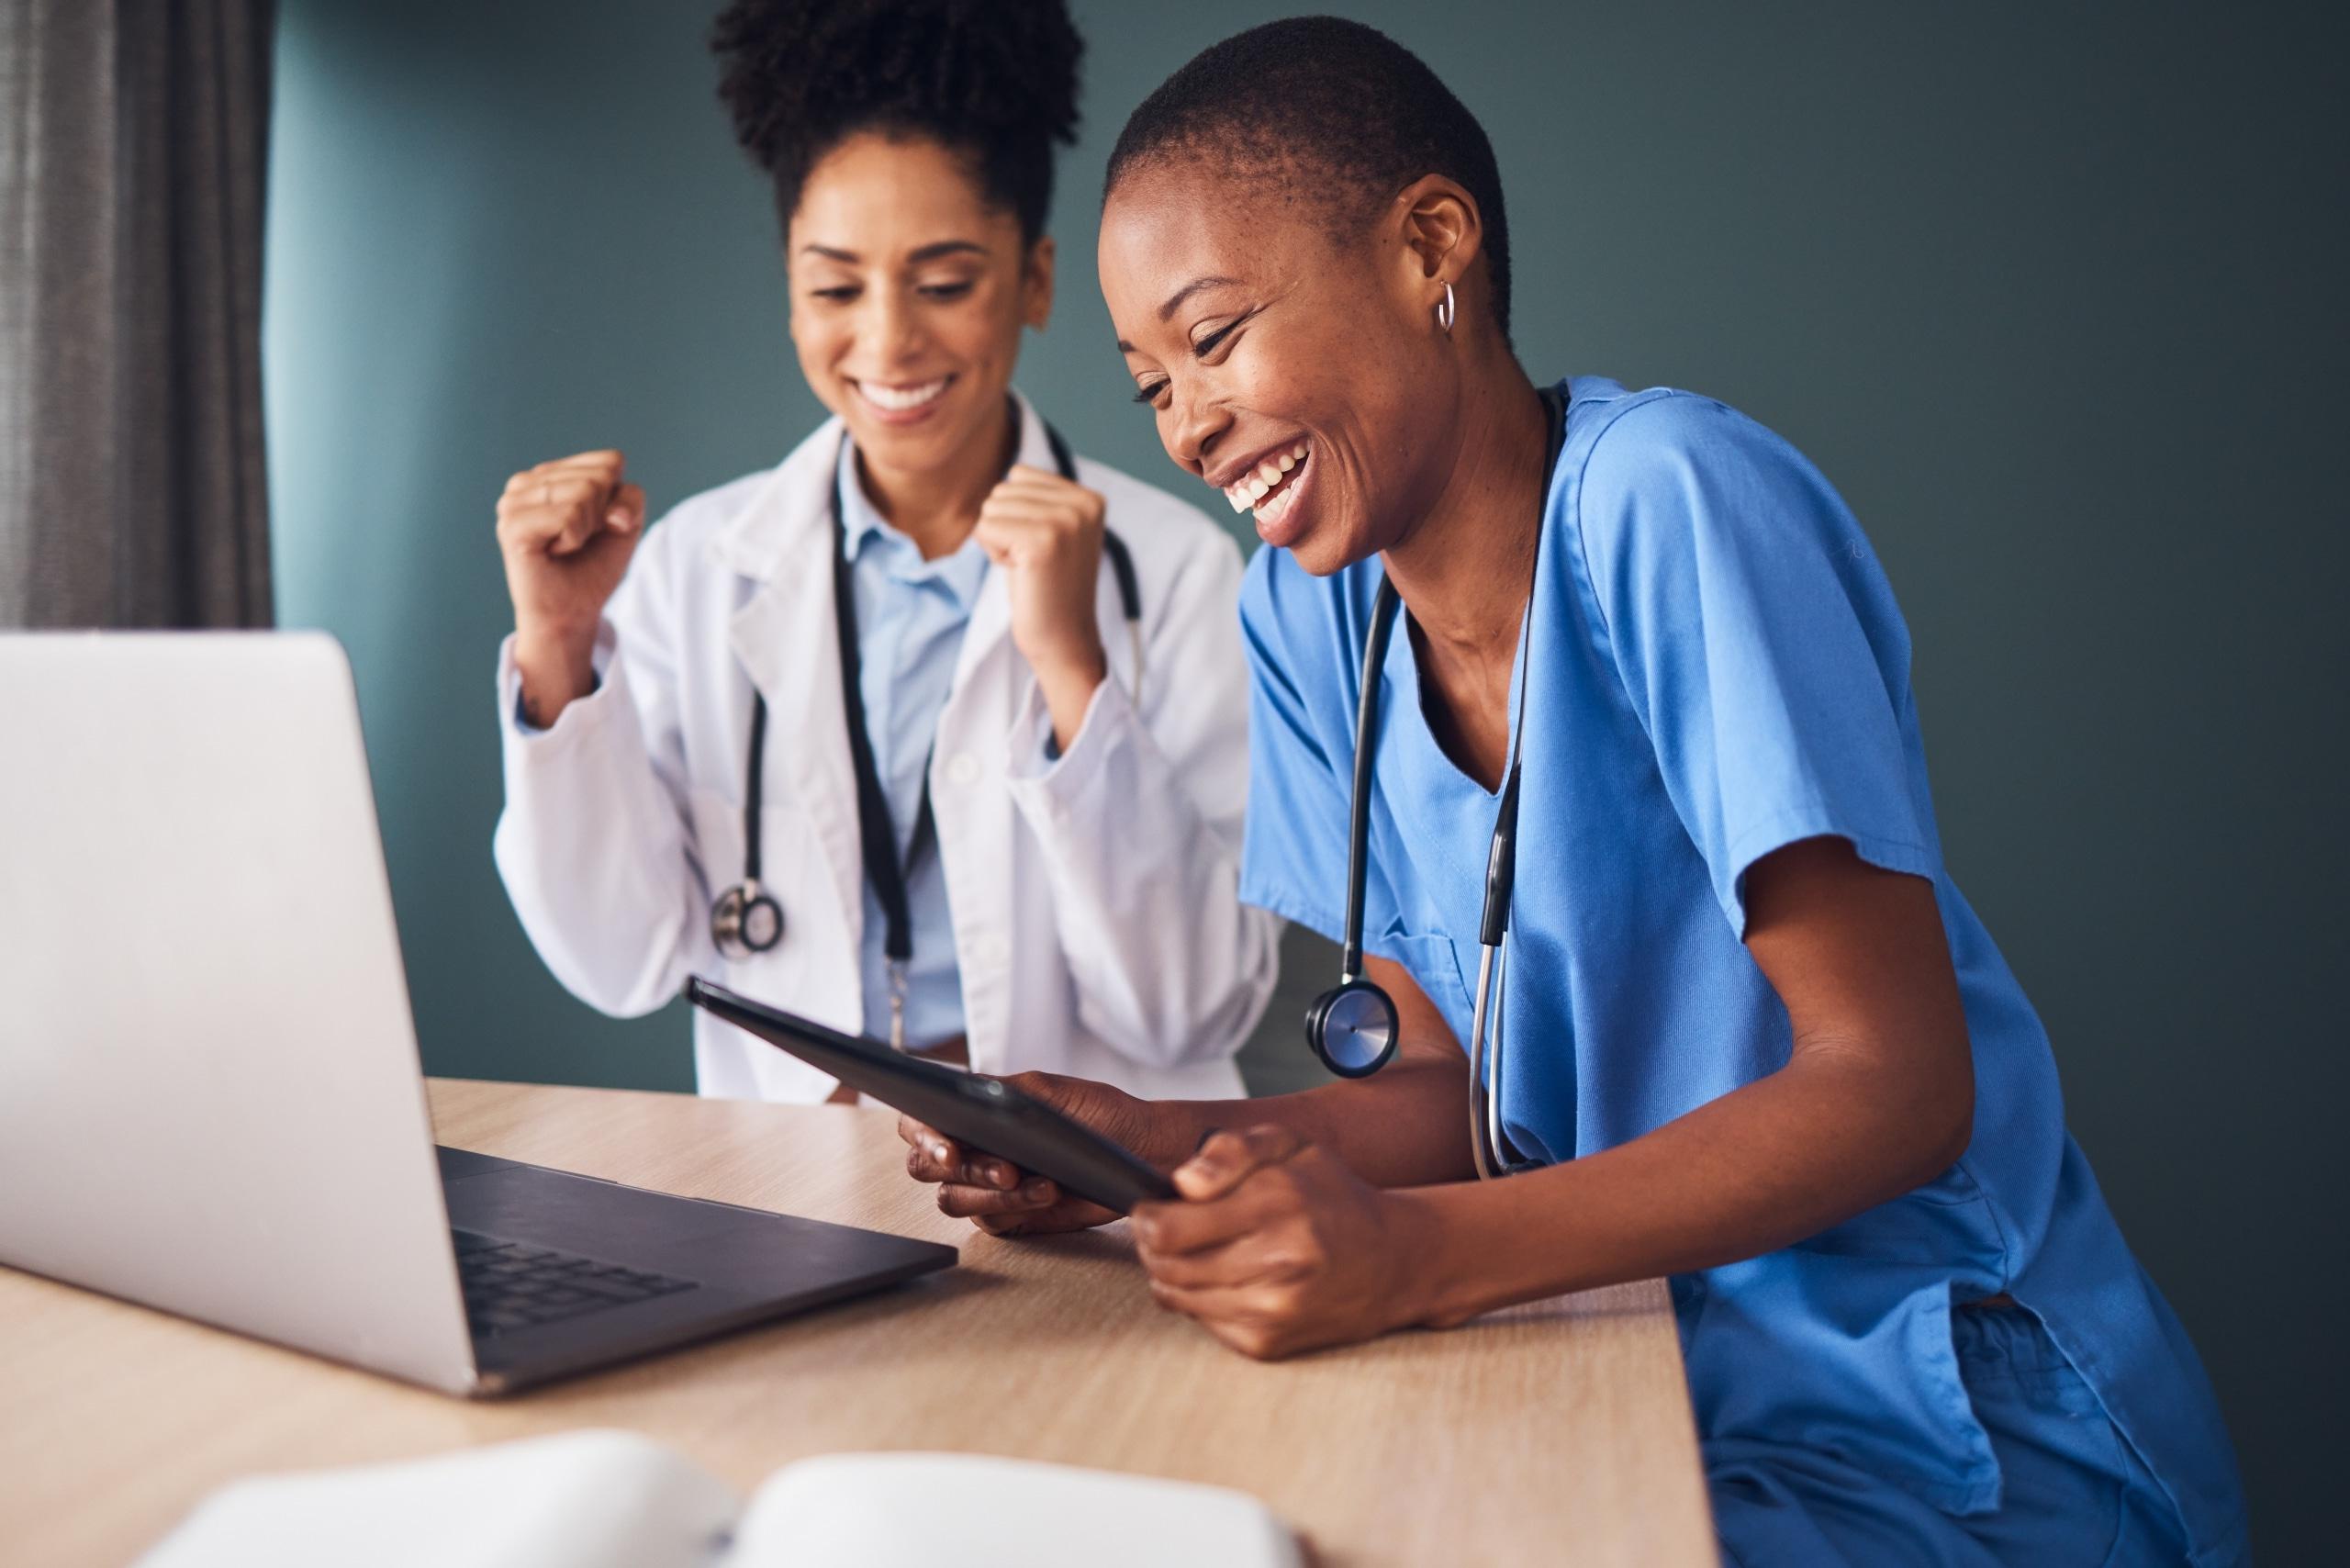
x=1325 y=552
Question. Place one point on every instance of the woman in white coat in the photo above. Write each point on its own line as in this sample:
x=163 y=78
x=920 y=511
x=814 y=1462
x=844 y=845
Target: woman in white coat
x=998 y=694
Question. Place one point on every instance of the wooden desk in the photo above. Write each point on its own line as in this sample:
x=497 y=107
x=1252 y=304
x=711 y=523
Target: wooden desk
x=1556 y=1433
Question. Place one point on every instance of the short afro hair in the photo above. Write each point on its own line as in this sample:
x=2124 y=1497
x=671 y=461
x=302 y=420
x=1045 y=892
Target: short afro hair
x=995 y=80
x=1328 y=102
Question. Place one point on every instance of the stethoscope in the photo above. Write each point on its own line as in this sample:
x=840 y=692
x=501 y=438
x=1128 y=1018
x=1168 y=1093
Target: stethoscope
x=1352 y=1026
x=745 y=920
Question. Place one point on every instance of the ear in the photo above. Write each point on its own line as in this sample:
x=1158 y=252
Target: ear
x=791 y=321
x=1037 y=285
x=1443 y=233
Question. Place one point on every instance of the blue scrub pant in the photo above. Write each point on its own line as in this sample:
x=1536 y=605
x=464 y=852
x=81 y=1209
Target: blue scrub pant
x=2073 y=1493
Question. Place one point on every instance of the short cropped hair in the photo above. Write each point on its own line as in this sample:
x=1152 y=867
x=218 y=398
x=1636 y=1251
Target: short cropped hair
x=994 y=80
x=1320 y=101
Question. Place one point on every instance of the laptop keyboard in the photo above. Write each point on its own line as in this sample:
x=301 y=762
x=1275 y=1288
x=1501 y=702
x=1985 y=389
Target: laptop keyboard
x=509 y=1287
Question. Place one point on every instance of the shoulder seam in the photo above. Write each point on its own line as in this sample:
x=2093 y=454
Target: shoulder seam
x=1631 y=405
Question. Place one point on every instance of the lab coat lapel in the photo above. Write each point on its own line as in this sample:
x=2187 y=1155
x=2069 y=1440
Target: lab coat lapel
x=786 y=639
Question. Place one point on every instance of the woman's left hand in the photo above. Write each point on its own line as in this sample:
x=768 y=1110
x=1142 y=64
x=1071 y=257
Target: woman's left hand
x=1045 y=533
x=1278 y=1248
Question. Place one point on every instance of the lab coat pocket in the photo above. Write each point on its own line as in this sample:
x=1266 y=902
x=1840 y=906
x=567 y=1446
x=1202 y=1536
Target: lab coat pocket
x=812 y=971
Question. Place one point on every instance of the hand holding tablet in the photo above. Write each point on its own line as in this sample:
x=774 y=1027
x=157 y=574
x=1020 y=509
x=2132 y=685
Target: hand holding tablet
x=1000 y=1197
x=989 y=1139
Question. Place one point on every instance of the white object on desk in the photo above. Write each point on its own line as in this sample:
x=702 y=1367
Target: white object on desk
x=922 y=1511
x=612 y=1499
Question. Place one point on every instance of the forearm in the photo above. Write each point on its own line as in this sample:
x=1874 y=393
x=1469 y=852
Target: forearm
x=1782 y=1159
x=1139 y=847
x=1406 y=1125
x=1068 y=685
x=593 y=845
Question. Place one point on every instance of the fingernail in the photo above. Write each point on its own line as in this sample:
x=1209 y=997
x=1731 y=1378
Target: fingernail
x=938 y=1152
x=1033 y=1192
x=1002 y=1174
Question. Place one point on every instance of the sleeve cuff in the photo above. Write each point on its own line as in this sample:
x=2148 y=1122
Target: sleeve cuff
x=1777 y=831
x=576 y=713
x=1035 y=761
x=1286 y=903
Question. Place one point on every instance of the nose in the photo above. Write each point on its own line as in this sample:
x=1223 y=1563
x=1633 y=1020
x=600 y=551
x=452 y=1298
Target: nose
x=1194 y=424
x=892 y=327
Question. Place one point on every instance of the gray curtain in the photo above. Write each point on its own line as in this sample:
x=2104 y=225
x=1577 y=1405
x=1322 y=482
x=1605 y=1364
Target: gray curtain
x=133 y=141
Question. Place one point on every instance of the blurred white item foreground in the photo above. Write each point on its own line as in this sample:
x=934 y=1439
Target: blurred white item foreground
x=612 y=1499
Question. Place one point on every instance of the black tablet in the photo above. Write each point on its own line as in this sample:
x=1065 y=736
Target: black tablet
x=979 y=1113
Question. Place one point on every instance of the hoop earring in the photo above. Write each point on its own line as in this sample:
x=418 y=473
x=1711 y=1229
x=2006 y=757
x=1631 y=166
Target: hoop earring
x=1444 y=312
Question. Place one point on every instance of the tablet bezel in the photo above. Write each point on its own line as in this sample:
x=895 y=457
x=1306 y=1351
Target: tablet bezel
x=984 y=1114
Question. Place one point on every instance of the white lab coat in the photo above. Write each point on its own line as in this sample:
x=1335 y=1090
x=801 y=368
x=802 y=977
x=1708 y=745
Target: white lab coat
x=1097 y=922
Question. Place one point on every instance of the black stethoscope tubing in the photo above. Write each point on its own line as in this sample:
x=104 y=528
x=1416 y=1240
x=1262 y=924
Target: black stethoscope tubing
x=745 y=919
x=1352 y=1027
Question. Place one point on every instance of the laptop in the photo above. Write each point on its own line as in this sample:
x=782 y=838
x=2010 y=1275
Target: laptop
x=210 y=1096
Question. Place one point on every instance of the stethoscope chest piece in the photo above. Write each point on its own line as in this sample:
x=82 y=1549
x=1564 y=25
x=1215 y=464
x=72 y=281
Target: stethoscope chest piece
x=1352 y=1028
x=745 y=921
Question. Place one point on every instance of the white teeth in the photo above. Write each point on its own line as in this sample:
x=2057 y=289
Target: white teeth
x=1269 y=476
x=898 y=400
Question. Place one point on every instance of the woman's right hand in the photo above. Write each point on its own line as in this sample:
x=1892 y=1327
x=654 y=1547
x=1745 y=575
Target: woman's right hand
x=566 y=529
x=1003 y=1200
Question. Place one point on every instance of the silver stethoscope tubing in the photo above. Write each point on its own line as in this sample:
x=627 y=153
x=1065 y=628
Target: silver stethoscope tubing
x=745 y=919
x=1352 y=1027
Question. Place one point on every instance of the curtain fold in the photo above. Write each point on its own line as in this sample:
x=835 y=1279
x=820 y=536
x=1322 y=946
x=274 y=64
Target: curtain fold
x=134 y=140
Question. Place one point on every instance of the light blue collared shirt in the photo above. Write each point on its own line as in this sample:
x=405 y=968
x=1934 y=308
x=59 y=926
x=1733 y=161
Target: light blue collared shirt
x=910 y=619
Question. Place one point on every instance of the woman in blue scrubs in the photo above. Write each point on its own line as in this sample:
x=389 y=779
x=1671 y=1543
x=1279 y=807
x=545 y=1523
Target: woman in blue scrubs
x=1753 y=1036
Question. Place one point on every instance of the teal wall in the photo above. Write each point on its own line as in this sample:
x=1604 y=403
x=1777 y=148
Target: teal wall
x=2054 y=300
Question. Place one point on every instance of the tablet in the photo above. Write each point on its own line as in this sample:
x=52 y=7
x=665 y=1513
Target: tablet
x=982 y=1113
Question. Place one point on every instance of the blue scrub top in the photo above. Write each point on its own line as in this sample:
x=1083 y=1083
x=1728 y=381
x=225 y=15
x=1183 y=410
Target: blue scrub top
x=1717 y=668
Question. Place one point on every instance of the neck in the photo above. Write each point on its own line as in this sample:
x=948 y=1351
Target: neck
x=1466 y=569
x=937 y=507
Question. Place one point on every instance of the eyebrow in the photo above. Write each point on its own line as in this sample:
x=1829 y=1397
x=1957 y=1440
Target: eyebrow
x=930 y=253
x=1175 y=300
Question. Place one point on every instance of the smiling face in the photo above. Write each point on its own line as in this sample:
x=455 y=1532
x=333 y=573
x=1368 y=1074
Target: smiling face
x=909 y=290
x=1301 y=375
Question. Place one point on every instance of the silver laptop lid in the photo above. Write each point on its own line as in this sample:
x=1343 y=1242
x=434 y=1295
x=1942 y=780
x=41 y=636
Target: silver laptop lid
x=209 y=1092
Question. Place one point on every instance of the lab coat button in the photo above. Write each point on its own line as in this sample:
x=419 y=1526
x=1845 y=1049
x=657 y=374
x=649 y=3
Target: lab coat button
x=962 y=769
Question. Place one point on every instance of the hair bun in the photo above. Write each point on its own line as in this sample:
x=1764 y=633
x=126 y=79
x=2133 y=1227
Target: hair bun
x=799 y=74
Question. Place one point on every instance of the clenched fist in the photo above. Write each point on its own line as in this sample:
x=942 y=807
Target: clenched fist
x=566 y=529
x=1043 y=532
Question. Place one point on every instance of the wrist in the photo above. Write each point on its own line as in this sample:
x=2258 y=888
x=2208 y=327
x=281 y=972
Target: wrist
x=555 y=667
x=1172 y=1130
x=1067 y=682
x=1463 y=1250
x=1428 y=1291
x=1080 y=669
x=551 y=641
